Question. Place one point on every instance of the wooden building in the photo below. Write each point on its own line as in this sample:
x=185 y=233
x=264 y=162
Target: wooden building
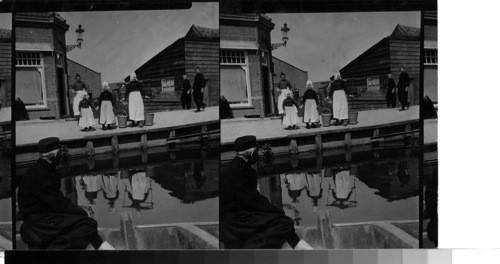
x=5 y=67
x=162 y=74
x=366 y=75
x=430 y=55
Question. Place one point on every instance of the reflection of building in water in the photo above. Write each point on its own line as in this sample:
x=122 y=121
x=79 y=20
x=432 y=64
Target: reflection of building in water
x=91 y=187
x=110 y=189
x=189 y=182
x=314 y=187
x=138 y=189
x=295 y=183
x=395 y=181
x=342 y=187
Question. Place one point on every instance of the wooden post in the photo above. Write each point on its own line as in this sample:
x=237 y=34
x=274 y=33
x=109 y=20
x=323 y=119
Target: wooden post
x=319 y=143
x=319 y=160
x=325 y=229
x=127 y=230
x=144 y=156
x=347 y=140
x=376 y=133
x=294 y=161
x=348 y=154
x=170 y=136
x=293 y=148
x=203 y=138
x=172 y=155
x=89 y=148
x=144 y=141
x=116 y=161
x=115 y=145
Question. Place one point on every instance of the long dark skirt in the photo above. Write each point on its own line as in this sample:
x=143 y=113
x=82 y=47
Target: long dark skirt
x=403 y=98
x=59 y=231
x=390 y=98
x=186 y=101
x=257 y=230
x=198 y=99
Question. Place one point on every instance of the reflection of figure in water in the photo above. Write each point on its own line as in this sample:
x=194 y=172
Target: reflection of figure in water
x=90 y=186
x=431 y=202
x=110 y=189
x=342 y=187
x=140 y=190
x=403 y=175
x=198 y=175
x=314 y=188
x=295 y=183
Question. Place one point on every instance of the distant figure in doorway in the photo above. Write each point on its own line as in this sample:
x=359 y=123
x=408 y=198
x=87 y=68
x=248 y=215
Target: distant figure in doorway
x=135 y=103
x=390 y=96
x=285 y=88
x=429 y=111
x=310 y=101
x=79 y=89
x=198 y=89
x=225 y=111
x=110 y=189
x=50 y=220
x=403 y=84
x=86 y=108
x=248 y=220
x=106 y=105
x=186 y=93
x=291 y=118
x=20 y=112
x=340 y=106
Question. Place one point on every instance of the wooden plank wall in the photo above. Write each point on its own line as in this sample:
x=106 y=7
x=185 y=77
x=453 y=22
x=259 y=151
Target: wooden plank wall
x=374 y=61
x=5 y=71
x=205 y=54
x=407 y=52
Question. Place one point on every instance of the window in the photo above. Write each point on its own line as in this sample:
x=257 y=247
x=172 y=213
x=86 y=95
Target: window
x=168 y=85
x=373 y=84
x=30 y=80
x=430 y=57
x=235 y=78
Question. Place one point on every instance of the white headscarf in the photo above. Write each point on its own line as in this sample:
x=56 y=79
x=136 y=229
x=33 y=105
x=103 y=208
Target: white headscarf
x=105 y=85
x=133 y=76
x=309 y=83
x=337 y=74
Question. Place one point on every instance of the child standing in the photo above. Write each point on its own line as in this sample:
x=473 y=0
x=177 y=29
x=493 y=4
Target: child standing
x=310 y=100
x=106 y=105
x=86 y=115
x=290 y=109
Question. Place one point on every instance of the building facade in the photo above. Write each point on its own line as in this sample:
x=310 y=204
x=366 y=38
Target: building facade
x=366 y=75
x=430 y=55
x=162 y=74
x=296 y=76
x=245 y=64
x=5 y=67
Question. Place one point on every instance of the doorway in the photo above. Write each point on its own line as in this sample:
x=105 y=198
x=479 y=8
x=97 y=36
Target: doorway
x=61 y=91
x=268 y=104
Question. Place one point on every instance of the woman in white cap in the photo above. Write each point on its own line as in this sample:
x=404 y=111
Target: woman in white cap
x=310 y=100
x=135 y=103
x=106 y=105
x=339 y=100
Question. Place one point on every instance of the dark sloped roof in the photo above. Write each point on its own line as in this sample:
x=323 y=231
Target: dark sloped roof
x=5 y=33
x=405 y=32
x=197 y=32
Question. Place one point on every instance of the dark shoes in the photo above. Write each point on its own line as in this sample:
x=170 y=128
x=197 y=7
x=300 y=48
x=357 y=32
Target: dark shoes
x=141 y=124
x=104 y=127
x=308 y=126
x=344 y=123
x=313 y=125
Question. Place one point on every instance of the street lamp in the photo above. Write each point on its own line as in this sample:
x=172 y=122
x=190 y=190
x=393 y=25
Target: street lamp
x=79 y=39
x=284 y=31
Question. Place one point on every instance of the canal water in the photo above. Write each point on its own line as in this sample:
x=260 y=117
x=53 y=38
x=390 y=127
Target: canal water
x=157 y=187
x=360 y=185
x=5 y=190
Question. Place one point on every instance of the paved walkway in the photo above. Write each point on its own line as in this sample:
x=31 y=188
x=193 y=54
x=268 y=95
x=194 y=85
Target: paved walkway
x=31 y=131
x=430 y=131
x=266 y=128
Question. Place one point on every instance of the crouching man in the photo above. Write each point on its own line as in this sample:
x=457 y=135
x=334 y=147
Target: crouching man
x=247 y=219
x=50 y=220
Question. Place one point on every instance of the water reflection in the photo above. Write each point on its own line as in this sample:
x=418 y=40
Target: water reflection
x=368 y=188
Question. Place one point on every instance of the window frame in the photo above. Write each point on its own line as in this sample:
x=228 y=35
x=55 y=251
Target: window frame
x=41 y=69
x=433 y=55
x=246 y=68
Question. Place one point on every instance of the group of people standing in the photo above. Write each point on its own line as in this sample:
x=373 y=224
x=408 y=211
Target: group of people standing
x=288 y=106
x=402 y=90
x=195 y=92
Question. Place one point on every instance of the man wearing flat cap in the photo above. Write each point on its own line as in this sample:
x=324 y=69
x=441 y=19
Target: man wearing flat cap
x=50 y=220
x=248 y=220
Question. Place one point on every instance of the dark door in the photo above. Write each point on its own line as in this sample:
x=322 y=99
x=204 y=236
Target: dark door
x=61 y=91
x=267 y=92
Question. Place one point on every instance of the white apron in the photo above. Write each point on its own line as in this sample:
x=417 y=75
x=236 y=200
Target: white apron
x=281 y=98
x=107 y=117
x=91 y=183
x=135 y=106
x=311 y=111
x=139 y=185
x=291 y=118
x=87 y=118
x=343 y=184
x=297 y=181
x=314 y=183
x=110 y=185
x=339 y=105
x=76 y=101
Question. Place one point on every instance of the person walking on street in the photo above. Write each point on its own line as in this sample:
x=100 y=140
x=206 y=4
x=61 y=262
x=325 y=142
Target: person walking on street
x=135 y=103
x=403 y=84
x=248 y=220
x=340 y=106
x=186 y=93
x=198 y=89
x=50 y=220
x=390 y=96
x=310 y=102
